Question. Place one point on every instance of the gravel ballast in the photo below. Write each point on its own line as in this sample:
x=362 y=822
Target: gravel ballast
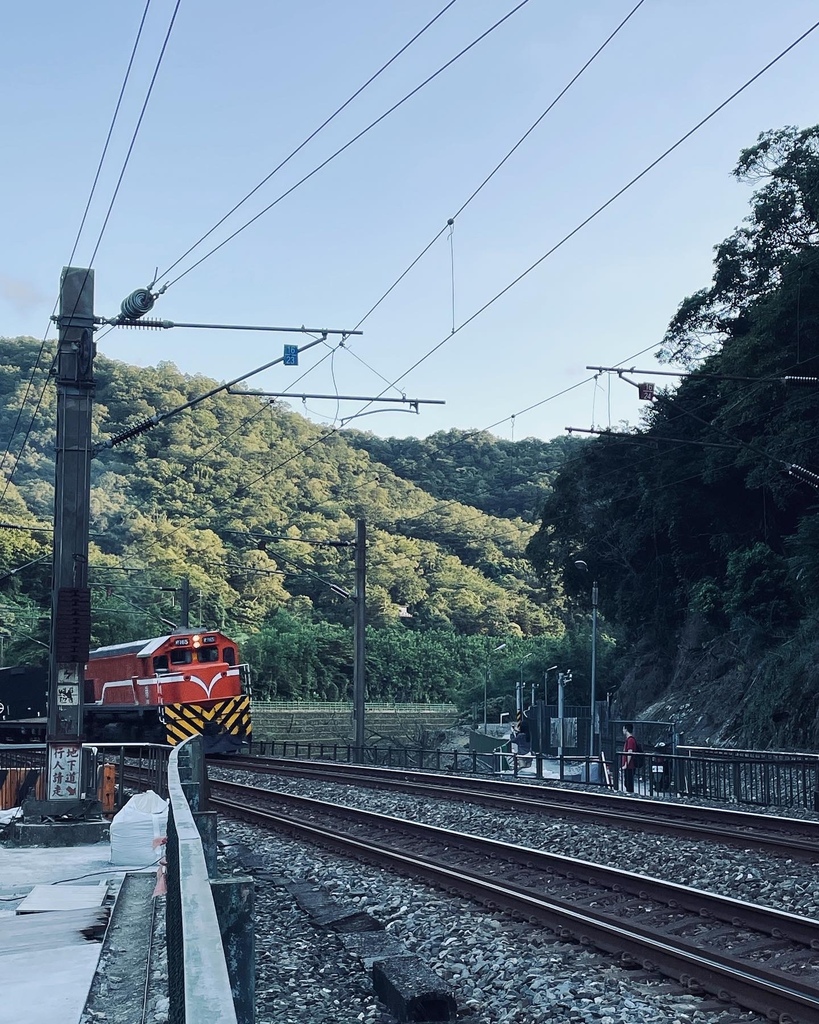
x=499 y=969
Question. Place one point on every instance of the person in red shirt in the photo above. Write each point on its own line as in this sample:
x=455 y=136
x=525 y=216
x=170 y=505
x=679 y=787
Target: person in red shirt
x=628 y=764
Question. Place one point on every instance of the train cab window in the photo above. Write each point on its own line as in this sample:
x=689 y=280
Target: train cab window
x=207 y=654
x=229 y=655
x=181 y=657
x=161 y=663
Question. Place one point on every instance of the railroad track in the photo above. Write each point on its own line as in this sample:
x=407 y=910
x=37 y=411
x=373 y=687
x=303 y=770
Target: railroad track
x=773 y=834
x=760 y=958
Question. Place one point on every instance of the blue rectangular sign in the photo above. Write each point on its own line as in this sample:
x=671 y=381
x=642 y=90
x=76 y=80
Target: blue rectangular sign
x=291 y=355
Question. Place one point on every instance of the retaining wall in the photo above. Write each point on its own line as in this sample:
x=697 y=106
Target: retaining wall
x=333 y=723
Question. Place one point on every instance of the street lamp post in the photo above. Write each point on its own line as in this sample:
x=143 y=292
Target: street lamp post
x=594 y=597
x=500 y=647
x=551 y=668
x=519 y=701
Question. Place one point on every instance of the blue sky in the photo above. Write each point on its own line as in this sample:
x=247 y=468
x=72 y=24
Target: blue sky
x=241 y=86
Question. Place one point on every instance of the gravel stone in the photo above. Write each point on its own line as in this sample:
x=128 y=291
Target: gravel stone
x=501 y=971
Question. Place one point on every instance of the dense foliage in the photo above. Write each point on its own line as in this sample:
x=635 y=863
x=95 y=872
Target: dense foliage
x=709 y=510
x=502 y=478
x=256 y=506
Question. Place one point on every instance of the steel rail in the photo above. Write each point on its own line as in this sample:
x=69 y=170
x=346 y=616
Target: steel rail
x=778 y=923
x=750 y=984
x=782 y=836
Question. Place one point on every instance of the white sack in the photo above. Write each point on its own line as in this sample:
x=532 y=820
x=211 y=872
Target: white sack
x=133 y=831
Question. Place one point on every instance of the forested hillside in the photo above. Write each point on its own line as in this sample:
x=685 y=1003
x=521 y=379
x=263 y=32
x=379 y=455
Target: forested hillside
x=703 y=525
x=257 y=507
x=502 y=478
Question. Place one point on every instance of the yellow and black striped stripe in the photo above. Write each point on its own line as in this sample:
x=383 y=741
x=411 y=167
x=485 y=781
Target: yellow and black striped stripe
x=231 y=715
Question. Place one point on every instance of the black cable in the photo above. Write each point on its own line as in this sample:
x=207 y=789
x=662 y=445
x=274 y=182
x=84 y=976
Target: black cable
x=30 y=427
x=110 y=131
x=347 y=145
x=625 y=188
x=497 y=167
x=451 y=221
x=77 y=239
x=565 y=239
x=475 y=192
x=136 y=131
x=309 y=138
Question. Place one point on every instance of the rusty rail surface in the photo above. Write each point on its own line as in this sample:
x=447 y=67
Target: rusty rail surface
x=760 y=958
x=782 y=836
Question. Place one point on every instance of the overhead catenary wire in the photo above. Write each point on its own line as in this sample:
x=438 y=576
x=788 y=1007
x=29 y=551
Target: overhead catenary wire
x=305 y=142
x=604 y=206
x=136 y=130
x=648 y=442
x=476 y=192
x=450 y=223
x=565 y=239
x=346 y=145
x=83 y=219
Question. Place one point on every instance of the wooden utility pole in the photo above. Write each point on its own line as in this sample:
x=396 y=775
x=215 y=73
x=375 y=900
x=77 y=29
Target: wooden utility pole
x=70 y=596
x=359 y=636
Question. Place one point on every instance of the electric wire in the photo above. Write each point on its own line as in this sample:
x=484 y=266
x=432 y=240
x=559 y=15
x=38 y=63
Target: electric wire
x=563 y=240
x=475 y=433
x=309 y=138
x=79 y=232
x=592 y=216
x=466 y=203
x=450 y=223
x=650 y=441
x=105 y=220
x=346 y=145
x=132 y=143
x=476 y=192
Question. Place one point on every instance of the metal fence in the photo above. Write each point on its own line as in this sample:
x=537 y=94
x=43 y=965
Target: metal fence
x=752 y=778
x=748 y=777
x=112 y=771
x=742 y=777
x=346 y=708
x=387 y=757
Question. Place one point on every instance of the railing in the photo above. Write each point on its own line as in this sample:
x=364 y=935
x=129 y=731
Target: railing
x=754 y=778
x=346 y=707
x=208 y=982
x=743 y=777
x=22 y=773
x=22 y=755
x=464 y=761
x=106 y=766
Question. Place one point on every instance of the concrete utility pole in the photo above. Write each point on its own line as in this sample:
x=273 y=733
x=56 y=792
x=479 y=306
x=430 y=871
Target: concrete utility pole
x=185 y=613
x=70 y=596
x=593 y=701
x=359 y=636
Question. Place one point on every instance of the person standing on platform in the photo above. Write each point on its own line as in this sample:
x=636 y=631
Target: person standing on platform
x=628 y=762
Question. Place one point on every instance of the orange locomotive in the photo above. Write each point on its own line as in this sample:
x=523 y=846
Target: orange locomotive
x=168 y=688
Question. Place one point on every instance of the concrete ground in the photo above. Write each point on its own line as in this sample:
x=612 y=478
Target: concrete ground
x=48 y=959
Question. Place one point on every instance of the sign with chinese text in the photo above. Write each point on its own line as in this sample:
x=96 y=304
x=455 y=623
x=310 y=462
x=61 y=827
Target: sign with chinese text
x=64 y=761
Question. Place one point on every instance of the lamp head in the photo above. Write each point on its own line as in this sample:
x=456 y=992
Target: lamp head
x=581 y=565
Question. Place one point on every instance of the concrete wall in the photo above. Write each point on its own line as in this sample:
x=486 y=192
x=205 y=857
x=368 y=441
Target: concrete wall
x=332 y=723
